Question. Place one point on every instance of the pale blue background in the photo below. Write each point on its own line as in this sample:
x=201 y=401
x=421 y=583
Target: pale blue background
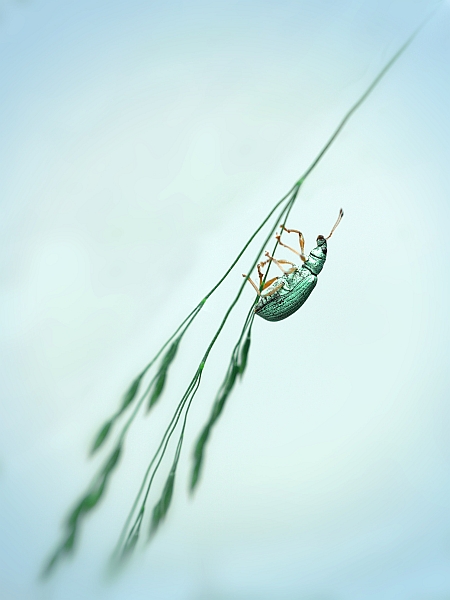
x=141 y=143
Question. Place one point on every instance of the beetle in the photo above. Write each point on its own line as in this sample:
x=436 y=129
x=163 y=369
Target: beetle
x=286 y=294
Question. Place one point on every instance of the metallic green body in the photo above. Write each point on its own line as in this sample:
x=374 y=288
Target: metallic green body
x=297 y=287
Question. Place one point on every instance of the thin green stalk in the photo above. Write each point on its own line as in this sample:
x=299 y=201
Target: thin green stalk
x=365 y=95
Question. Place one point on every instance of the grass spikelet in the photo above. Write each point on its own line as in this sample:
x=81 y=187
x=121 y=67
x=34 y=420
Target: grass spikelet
x=244 y=353
x=102 y=435
x=162 y=374
x=84 y=506
x=162 y=506
x=131 y=394
x=236 y=367
x=130 y=544
x=127 y=400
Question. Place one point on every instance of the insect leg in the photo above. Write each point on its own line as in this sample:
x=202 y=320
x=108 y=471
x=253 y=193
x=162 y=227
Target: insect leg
x=278 y=262
x=266 y=285
x=260 y=274
x=287 y=262
x=255 y=286
x=250 y=280
x=275 y=289
x=301 y=240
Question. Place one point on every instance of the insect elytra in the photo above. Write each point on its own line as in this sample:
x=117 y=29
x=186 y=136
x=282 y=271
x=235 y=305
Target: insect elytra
x=281 y=296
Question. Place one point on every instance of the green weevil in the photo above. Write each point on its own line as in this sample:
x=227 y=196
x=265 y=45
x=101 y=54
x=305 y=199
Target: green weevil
x=286 y=294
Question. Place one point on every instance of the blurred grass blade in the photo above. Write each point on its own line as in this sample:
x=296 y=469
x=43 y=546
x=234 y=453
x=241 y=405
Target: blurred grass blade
x=112 y=461
x=244 y=353
x=171 y=353
x=65 y=548
x=157 y=390
x=70 y=542
x=162 y=506
x=127 y=400
x=89 y=501
x=224 y=392
x=131 y=393
x=162 y=375
x=102 y=435
x=198 y=456
x=130 y=545
x=235 y=368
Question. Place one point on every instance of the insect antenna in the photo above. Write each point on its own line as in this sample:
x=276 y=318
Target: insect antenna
x=341 y=214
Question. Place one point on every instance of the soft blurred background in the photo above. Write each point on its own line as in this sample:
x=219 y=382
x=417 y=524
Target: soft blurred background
x=141 y=144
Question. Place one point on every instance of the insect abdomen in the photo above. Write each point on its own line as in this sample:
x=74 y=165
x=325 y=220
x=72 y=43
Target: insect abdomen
x=289 y=299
